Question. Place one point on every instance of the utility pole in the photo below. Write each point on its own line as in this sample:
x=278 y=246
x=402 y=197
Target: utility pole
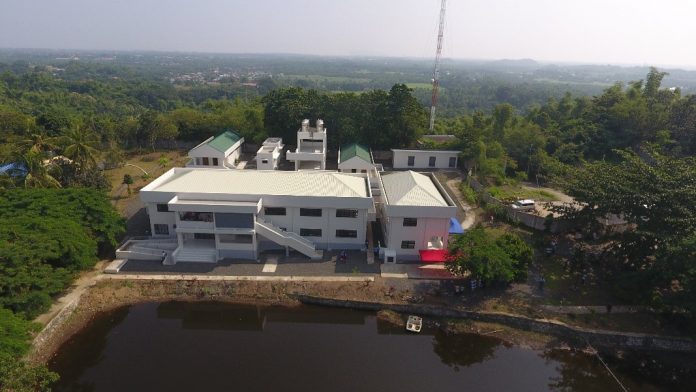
x=436 y=72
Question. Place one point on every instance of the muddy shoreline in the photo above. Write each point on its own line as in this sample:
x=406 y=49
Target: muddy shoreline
x=107 y=295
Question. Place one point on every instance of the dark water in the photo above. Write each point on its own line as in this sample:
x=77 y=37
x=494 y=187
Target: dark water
x=177 y=346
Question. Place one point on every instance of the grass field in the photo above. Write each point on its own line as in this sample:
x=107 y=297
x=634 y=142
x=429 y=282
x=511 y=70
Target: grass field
x=515 y=192
x=135 y=161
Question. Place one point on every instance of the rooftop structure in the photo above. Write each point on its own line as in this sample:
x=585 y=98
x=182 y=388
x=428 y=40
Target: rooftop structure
x=310 y=153
x=412 y=189
x=269 y=154
x=259 y=183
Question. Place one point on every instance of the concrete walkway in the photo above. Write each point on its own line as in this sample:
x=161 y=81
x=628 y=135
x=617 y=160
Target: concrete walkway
x=252 y=278
x=416 y=271
x=469 y=214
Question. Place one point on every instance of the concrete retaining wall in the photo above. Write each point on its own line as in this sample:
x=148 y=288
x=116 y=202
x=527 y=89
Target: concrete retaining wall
x=575 y=335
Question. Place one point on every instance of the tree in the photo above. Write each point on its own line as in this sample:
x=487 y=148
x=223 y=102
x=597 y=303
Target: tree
x=37 y=142
x=46 y=236
x=82 y=147
x=655 y=195
x=494 y=259
x=128 y=181
x=18 y=376
x=33 y=172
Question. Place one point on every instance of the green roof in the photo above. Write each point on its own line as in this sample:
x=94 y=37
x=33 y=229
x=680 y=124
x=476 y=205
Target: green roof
x=224 y=141
x=355 y=150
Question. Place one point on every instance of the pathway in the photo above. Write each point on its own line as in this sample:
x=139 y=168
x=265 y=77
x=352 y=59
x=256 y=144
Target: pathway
x=470 y=215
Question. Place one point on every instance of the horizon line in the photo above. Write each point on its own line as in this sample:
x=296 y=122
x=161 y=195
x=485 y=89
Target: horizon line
x=683 y=67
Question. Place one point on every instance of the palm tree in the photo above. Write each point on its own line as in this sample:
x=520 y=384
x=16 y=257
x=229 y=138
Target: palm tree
x=81 y=146
x=31 y=167
x=38 y=142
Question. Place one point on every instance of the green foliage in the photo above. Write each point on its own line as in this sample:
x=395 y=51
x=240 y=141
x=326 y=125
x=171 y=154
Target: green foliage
x=468 y=193
x=18 y=376
x=46 y=235
x=376 y=118
x=15 y=334
x=503 y=259
x=655 y=195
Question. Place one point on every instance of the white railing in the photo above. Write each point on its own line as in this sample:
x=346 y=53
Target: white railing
x=287 y=238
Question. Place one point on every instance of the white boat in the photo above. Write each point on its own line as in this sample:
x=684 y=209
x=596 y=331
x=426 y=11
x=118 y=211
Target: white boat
x=414 y=324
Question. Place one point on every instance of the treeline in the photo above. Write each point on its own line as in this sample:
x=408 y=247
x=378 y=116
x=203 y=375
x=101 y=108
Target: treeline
x=573 y=130
x=379 y=119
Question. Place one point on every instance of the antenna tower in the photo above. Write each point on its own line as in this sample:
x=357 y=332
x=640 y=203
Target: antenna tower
x=436 y=72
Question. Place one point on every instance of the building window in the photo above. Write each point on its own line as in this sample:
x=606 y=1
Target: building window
x=346 y=233
x=215 y=161
x=453 y=161
x=162 y=208
x=411 y=160
x=410 y=222
x=353 y=170
x=203 y=236
x=408 y=244
x=310 y=232
x=274 y=211
x=196 y=216
x=206 y=161
x=310 y=211
x=228 y=220
x=431 y=161
x=264 y=161
x=236 y=238
x=346 y=213
x=161 y=229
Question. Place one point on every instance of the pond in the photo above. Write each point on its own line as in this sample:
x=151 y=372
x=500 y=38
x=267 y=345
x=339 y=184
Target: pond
x=181 y=346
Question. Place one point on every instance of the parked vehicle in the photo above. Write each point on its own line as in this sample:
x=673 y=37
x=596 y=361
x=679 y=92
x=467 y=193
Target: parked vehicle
x=524 y=205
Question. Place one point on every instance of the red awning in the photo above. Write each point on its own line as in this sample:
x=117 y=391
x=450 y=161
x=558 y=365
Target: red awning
x=433 y=255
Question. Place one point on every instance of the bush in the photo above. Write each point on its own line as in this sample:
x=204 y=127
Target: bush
x=468 y=193
x=503 y=259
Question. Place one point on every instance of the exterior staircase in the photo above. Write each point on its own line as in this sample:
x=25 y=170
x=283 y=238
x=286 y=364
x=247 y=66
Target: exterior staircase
x=193 y=255
x=287 y=238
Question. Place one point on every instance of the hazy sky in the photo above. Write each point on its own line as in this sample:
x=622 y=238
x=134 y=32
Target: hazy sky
x=659 y=32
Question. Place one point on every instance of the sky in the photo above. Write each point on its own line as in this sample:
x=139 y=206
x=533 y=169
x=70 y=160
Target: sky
x=643 y=32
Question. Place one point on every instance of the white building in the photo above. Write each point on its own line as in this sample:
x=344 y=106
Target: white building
x=221 y=151
x=416 y=215
x=214 y=214
x=355 y=158
x=424 y=159
x=310 y=153
x=268 y=156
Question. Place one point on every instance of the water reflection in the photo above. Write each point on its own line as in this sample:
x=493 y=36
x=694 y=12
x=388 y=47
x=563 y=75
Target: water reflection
x=463 y=350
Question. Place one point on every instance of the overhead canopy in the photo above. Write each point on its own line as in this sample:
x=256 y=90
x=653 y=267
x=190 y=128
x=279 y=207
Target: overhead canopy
x=455 y=227
x=433 y=255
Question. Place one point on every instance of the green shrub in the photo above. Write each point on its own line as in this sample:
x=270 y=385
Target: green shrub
x=468 y=193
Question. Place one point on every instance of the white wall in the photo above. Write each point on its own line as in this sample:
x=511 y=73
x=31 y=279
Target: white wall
x=422 y=233
x=355 y=163
x=422 y=157
x=328 y=223
x=156 y=217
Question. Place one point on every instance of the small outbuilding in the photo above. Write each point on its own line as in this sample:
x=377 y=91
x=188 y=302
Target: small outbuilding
x=268 y=156
x=355 y=158
x=425 y=159
x=220 y=151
